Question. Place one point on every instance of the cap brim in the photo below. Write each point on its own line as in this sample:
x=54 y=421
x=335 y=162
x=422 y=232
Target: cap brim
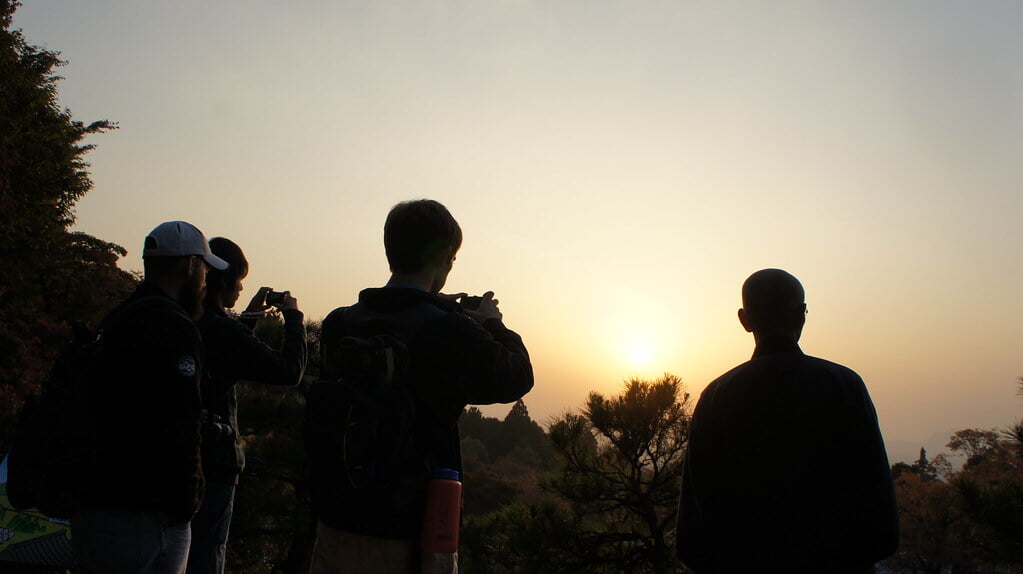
x=216 y=262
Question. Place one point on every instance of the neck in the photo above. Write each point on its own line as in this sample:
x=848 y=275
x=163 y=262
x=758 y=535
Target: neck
x=423 y=280
x=171 y=286
x=779 y=335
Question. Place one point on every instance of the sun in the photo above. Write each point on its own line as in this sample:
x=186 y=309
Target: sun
x=640 y=354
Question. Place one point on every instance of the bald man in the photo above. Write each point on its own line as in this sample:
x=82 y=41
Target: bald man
x=786 y=468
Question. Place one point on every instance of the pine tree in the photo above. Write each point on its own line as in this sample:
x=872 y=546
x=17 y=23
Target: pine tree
x=623 y=459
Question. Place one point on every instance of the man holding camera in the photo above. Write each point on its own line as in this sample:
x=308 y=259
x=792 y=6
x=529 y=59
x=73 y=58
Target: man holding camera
x=456 y=356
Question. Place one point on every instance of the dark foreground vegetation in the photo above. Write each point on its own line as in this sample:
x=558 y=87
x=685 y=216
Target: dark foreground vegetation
x=593 y=490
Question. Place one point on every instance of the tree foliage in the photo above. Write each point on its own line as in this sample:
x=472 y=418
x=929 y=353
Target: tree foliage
x=966 y=520
x=50 y=275
x=622 y=462
x=44 y=173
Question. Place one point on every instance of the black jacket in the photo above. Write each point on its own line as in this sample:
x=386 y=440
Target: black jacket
x=234 y=354
x=453 y=362
x=786 y=468
x=147 y=411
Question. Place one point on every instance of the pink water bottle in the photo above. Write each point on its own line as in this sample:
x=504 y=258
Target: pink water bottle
x=443 y=510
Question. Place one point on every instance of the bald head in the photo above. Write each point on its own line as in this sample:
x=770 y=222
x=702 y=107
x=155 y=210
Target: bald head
x=773 y=302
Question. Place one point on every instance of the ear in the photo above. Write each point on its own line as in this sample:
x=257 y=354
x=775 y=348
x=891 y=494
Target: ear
x=745 y=320
x=196 y=265
x=186 y=266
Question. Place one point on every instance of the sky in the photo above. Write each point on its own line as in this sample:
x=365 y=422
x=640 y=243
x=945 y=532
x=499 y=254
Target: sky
x=618 y=169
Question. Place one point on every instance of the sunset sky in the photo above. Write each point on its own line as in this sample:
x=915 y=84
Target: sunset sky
x=618 y=169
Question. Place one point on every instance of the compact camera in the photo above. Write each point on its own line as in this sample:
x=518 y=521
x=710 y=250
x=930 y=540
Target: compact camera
x=275 y=297
x=471 y=302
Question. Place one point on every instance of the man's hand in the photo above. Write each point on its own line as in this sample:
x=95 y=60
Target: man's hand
x=487 y=309
x=451 y=297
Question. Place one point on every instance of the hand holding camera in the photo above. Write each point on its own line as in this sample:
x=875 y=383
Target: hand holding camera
x=481 y=308
x=266 y=297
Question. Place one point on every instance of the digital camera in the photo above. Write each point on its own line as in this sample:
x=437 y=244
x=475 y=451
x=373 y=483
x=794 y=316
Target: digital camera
x=471 y=302
x=275 y=297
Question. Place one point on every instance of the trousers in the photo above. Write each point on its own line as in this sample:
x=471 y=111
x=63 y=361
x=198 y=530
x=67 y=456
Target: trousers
x=128 y=542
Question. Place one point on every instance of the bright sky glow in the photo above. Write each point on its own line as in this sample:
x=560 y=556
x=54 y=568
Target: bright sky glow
x=640 y=355
x=618 y=168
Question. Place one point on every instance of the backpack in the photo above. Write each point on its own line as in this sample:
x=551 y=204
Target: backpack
x=54 y=443
x=367 y=466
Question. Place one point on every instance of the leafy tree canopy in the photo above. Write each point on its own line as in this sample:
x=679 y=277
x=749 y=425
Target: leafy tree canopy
x=50 y=275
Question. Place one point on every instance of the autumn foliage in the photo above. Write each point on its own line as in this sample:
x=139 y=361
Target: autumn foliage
x=50 y=275
x=966 y=520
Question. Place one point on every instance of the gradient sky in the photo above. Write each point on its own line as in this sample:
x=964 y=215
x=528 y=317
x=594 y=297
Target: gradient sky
x=618 y=169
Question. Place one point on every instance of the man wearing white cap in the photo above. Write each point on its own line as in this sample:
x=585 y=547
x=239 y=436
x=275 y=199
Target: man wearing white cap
x=146 y=481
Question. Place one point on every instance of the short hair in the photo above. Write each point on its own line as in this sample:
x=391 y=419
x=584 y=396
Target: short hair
x=218 y=281
x=419 y=234
x=773 y=298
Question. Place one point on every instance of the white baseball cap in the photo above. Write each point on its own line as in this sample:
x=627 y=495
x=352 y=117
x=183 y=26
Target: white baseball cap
x=180 y=239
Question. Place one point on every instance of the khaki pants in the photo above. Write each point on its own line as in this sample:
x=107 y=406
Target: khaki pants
x=340 y=552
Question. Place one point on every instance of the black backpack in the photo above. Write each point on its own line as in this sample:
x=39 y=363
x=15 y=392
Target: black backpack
x=367 y=466
x=54 y=442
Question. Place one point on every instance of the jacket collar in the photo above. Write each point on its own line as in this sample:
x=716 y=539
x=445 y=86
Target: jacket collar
x=392 y=299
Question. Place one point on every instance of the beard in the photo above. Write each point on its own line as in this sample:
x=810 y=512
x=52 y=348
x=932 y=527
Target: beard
x=192 y=295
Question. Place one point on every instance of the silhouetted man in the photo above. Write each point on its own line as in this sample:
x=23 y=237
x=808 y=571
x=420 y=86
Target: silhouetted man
x=456 y=357
x=146 y=482
x=786 y=469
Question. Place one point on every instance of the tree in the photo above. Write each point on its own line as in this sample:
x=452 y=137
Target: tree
x=520 y=431
x=928 y=471
x=930 y=525
x=970 y=520
x=622 y=462
x=990 y=487
x=50 y=276
x=977 y=445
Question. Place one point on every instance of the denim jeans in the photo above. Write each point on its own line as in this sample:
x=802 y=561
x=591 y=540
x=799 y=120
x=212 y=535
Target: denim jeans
x=209 y=530
x=126 y=542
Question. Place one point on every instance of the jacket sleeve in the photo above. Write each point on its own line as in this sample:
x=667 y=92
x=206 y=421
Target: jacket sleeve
x=236 y=354
x=871 y=494
x=487 y=363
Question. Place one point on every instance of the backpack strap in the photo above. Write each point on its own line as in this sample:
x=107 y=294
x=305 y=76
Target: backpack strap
x=405 y=326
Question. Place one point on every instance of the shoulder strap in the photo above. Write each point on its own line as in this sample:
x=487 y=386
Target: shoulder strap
x=403 y=327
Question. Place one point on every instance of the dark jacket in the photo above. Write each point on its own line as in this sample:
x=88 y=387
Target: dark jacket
x=147 y=411
x=453 y=362
x=234 y=354
x=786 y=468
